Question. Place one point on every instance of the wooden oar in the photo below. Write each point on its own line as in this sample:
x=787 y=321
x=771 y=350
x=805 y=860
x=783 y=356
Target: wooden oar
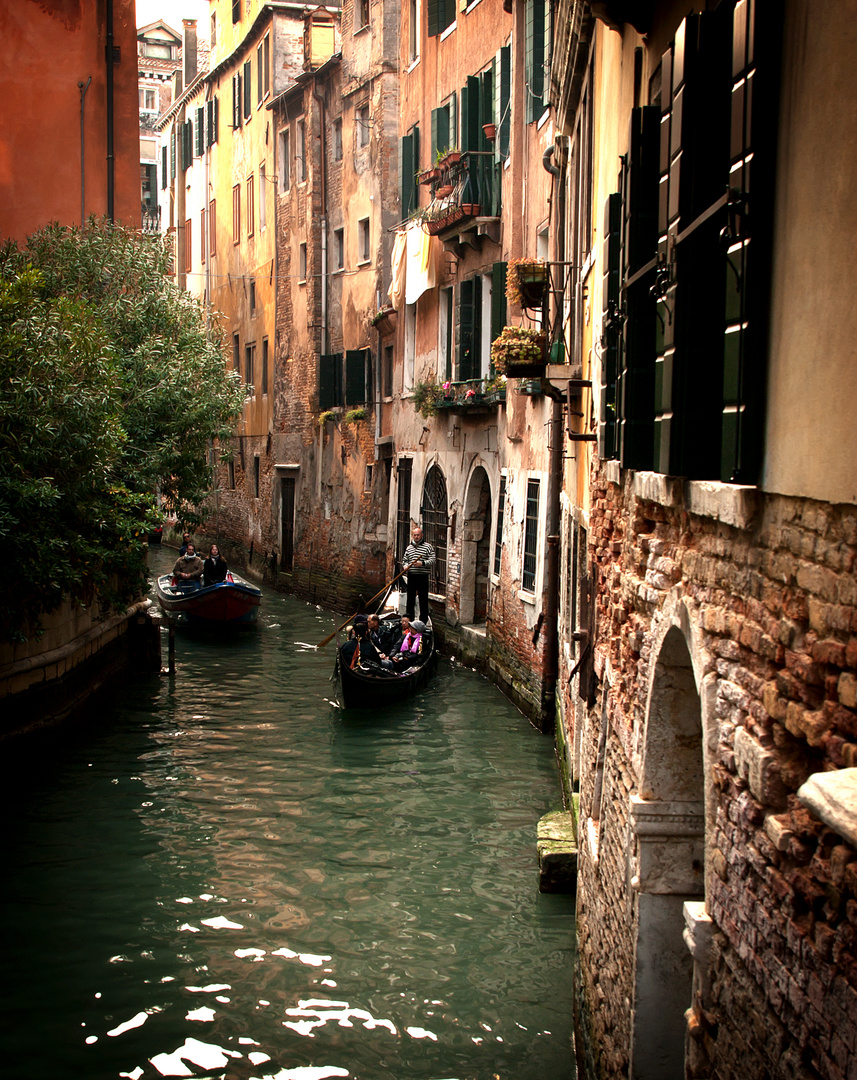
x=386 y=588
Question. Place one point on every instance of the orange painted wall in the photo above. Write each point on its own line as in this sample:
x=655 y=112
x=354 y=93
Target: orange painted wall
x=46 y=49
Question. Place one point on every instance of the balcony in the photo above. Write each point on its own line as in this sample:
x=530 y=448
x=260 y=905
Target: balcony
x=465 y=198
x=472 y=397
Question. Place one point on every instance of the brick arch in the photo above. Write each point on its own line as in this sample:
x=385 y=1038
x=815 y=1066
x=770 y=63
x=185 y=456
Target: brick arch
x=668 y=819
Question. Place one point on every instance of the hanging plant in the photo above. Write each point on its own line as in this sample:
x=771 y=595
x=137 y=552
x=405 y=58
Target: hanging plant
x=326 y=417
x=424 y=397
x=517 y=345
x=526 y=282
x=354 y=416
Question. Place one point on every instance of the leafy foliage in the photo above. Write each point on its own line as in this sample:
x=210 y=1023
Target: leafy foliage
x=110 y=390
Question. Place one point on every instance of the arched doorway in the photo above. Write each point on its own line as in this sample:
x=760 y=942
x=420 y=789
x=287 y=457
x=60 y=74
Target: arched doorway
x=475 y=549
x=434 y=517
x=668 y=821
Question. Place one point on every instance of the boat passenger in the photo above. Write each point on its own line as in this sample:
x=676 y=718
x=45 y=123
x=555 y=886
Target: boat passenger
x=410 y=645
x=360 y=650
x=185 y=542
x=188 y=569
x=214 y=568
x=380 y=635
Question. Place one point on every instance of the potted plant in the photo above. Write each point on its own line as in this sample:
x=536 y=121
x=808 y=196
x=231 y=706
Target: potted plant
x=490 y=131
x=495 y=390
x=447 y=157
x=354 y=416
x=526 y=282
x=518 y=346
x=326 y=417
x=384 y=320
x=443 y=190
x=427 y=175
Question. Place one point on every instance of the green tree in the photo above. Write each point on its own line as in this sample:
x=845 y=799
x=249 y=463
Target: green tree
x=111 y=389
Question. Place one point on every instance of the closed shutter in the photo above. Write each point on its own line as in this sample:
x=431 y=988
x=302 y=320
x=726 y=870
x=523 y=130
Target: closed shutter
x=173 y=152
x=534 y=45
x=248 y=91
x=211 y=122
x=610 y=342
x=355 y=376
x=439 y=132
x=200 y=131
x=747 y=238
x=488 y=189
x=636 y=390
x=503 y=97
x=163 y=166
x=469 y=328
x=236 y=100
x=329 y=381
x=434 y=14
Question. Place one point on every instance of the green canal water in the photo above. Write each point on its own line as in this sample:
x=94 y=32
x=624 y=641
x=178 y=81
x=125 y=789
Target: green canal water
x=225 y=875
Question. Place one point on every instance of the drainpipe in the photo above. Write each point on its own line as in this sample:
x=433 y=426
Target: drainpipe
x=323 y=186
x=555 y=447
x=83 y=90
x=110 y=159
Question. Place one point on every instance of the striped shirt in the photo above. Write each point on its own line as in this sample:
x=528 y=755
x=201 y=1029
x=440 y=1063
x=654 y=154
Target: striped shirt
x=422 y=551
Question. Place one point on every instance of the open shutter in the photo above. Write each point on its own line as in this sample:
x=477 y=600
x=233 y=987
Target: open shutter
x=534 y=45
x=199 y=131
x=355 y=376
x=173 y=152
x=163 y=166
x=248 y=91
x=607 y=421
x=408 y=164
x=435 y=7
x=469 y=320
x=498 y=299
x=504 y=100
x=440 y=139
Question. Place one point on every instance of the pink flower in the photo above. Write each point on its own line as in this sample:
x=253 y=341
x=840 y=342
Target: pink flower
x=470 y=393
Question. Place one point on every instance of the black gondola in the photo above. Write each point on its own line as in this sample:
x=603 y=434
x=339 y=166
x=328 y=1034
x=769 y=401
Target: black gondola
x=368 y=687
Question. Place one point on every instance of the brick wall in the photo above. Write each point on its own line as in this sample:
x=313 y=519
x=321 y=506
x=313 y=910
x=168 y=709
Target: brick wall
x=769 y=587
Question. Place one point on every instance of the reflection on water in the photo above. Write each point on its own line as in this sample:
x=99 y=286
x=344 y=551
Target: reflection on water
x=226 y=875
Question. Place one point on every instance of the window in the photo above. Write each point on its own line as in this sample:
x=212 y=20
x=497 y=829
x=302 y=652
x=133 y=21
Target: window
x=410 y=348
x=531 y=537
x=503 y=99
x=337 y=139
x=409 y=158
x=413 y=31
x=302 y=263
x=477 y=108
x=252 y=296
x=362 y=123
x=236 y=100
x=236 y=11
x=187 y=144
x=263 y=192
x=249 y=364
x=361 y=11
x=251 y=205
x=211 y=118
x=536 y=57
x=444 y=128
x=339 y=248
x=199 y=132
x=287 y=523
x=188 y=253
x=256 y=475
x=148 y=99
x=387 y=371
x=173 y=152
x=331 y=390
x=300 y=155
x=212 y=230
x=358 y=376
x=435 y=521
x=441 y=14
x=498 y=533
x=445 y=327
x=248 y=90
x=284 y=162
x=202 y=236
x=213 y=37
x=236 y=214
x=367 y=479
x=236 y=352
x=263 y=65
x=363 y=244
x=264 y=366
x=469 y=328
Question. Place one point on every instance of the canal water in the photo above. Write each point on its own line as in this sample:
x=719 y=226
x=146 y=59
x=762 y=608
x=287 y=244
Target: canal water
x=224 y=874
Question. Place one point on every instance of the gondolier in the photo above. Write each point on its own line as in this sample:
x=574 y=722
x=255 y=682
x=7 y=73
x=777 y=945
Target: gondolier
x=418 y=560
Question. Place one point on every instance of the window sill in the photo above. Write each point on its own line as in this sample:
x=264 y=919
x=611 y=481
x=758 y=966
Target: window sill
x=471 y=6
x=364 y=262
x=527 y=597
x=361 y=30
x=543 y=119
x=732 y=504
x=449 y=30
x=413 y=64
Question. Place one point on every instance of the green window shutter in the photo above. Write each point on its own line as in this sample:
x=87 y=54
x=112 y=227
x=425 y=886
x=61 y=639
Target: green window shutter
x=452 y=111
x=236 y=100
x=534 y=57
x=163 y=166
x=469 y=325
x=408 y=164
x=608 y=394
x=248 y=91
x=504 y=101
x=200 y=131
x=434 y=16
x=355 y=376
x=498 y=299
x=173 y=152
x=329 y=381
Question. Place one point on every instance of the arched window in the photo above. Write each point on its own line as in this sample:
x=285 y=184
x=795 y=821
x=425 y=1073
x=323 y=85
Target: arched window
x=435 y=523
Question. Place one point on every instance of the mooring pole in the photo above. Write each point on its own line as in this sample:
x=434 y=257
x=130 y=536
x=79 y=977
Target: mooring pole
x=171 y=646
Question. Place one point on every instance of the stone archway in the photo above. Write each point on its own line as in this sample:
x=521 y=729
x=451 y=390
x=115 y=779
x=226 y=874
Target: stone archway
x=668 y=824
x=476 y=549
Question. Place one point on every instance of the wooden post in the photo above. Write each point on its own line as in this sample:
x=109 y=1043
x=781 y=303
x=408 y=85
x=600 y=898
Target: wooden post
x=171 y=646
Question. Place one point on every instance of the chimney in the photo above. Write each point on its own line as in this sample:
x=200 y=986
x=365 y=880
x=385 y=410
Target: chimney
x=189 y=61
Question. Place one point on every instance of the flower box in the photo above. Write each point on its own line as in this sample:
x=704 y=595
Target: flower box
x=519 y=347
x=527 y=282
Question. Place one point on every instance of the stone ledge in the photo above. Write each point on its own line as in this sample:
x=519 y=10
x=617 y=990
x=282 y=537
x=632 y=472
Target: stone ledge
x=832 y=797
x=657 y=488
x=557 y=851
x=733 y=504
